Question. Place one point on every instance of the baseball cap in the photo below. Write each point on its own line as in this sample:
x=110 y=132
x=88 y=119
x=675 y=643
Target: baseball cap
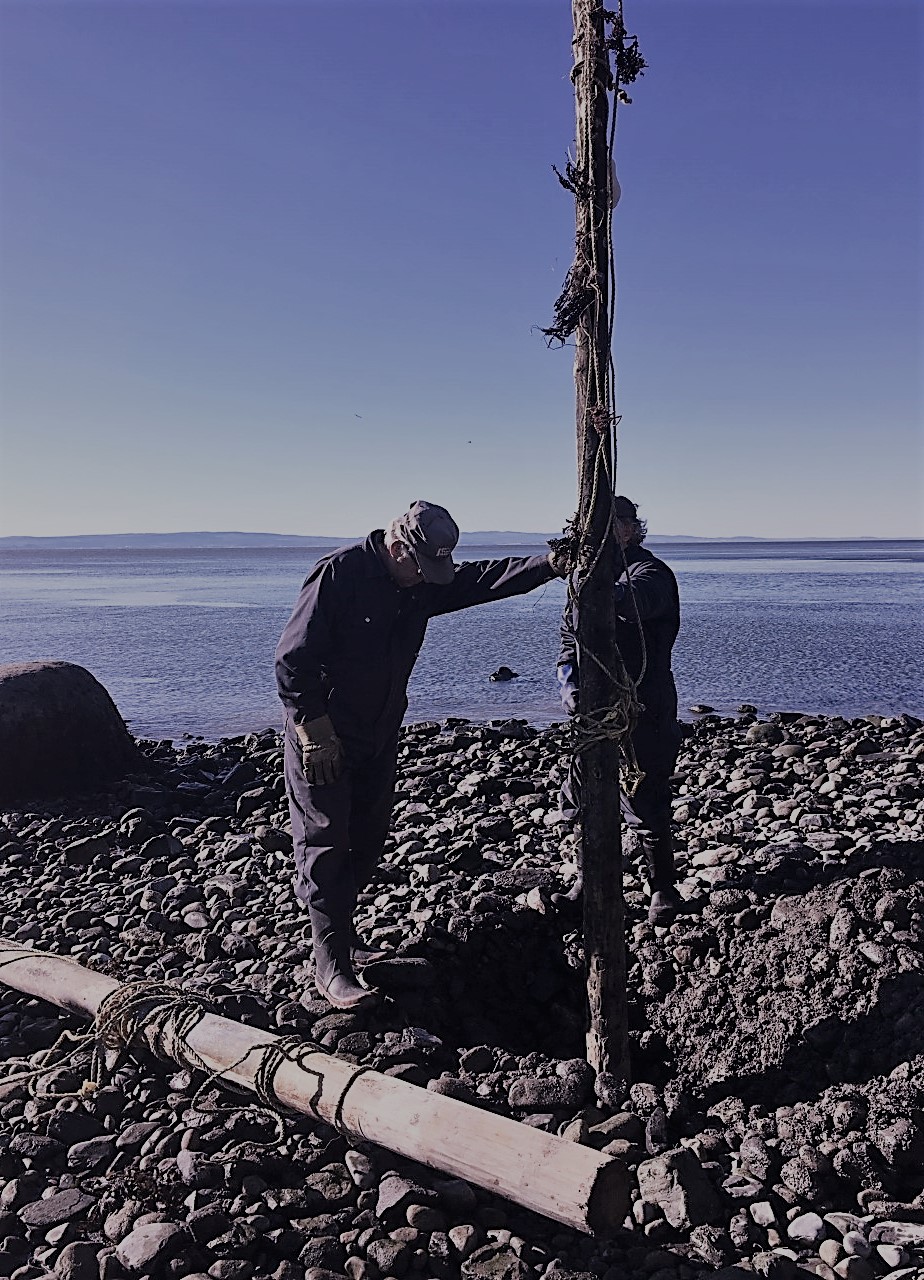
x=431 y=534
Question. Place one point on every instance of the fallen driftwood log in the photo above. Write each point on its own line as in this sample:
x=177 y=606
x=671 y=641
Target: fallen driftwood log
x=552 y=1176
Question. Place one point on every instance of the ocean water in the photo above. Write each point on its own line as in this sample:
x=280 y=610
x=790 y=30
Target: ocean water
x=184 y=639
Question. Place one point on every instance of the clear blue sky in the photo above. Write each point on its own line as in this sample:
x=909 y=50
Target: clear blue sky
x=280 y=266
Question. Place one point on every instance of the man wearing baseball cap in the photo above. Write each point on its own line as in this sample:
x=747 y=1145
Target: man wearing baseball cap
x=342 y=668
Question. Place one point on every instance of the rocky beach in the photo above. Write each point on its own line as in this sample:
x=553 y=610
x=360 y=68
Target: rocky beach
x=775 y=1122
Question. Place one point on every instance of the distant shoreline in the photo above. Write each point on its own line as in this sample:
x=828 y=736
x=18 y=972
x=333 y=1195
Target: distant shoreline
x=239 y=541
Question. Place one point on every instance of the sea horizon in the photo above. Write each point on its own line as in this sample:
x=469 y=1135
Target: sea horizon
x=243 y=539
x=183 y=637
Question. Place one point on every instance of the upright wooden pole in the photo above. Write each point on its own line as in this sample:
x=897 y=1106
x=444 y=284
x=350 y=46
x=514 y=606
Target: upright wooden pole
x=604 y=927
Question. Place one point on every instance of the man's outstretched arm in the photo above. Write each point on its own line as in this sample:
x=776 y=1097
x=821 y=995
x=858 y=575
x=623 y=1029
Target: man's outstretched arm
x=481 y=581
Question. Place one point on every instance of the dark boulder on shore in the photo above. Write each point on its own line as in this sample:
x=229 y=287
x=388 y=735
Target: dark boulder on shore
x=59 y=732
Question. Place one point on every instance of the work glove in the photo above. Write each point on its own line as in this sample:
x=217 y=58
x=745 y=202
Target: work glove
x=322 y=753
x=560 y=562
x=561 y=555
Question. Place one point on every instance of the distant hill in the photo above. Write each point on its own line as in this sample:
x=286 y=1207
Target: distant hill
x=204 y=541
x=169 y=541
x=509 y=538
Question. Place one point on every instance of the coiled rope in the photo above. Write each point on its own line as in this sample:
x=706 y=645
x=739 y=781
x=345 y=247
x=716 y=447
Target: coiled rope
x=162 y=1016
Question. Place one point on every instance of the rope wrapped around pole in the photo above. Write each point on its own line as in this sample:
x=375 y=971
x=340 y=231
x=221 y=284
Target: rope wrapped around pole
x=562 y=1180
x=603 y=702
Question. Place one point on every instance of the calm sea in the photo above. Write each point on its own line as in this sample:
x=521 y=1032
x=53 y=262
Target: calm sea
x=184 y=640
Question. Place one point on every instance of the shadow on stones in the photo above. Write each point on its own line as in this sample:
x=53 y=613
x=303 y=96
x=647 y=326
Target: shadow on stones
x=504 y=980
x=509 y=981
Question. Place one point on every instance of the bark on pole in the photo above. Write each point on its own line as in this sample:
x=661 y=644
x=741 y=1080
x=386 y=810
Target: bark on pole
x=604 y=929
x=559 y=1179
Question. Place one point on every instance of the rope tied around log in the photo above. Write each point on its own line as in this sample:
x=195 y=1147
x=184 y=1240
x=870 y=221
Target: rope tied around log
x=295 y=1050
x=156 y=1011
x=162 y=1016
x=604 y=725
x=584 y=1189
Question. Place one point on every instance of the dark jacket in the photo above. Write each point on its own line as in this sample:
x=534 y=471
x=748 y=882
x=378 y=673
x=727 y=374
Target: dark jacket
x=353 y=638
x=654 y=602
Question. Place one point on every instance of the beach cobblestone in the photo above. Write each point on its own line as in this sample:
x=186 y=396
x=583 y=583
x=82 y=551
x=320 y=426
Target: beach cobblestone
x=775 y=1125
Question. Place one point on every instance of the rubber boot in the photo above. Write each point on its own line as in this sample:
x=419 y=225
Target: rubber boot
x=658 y=850
x=330 y=910
x=334 y=975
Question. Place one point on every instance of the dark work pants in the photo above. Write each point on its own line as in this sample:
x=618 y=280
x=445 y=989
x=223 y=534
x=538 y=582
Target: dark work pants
x=648 y=812
x=338 y=833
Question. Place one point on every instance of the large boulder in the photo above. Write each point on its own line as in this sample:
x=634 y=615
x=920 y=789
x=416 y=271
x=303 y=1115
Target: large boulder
x=59 y=732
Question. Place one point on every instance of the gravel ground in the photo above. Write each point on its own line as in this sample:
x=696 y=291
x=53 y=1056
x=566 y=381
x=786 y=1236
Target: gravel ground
x=776 y=1122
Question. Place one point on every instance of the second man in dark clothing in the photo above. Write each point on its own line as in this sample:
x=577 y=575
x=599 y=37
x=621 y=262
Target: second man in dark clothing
x=647 y=622
x=342 y=669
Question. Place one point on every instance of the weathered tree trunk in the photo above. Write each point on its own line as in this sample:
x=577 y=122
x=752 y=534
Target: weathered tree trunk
x=559 y=1179
x=604 y=942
